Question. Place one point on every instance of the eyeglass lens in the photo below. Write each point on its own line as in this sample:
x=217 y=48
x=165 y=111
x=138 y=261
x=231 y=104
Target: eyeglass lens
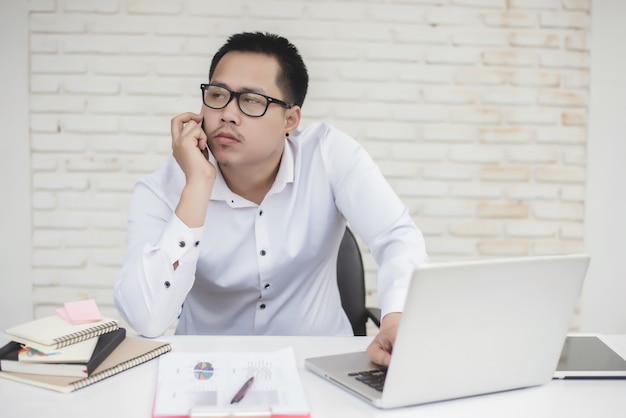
x=251 y=104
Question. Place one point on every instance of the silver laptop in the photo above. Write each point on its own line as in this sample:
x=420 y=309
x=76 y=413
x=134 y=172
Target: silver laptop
x=470 y=328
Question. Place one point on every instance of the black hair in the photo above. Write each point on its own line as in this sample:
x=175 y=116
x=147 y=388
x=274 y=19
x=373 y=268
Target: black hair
x=292 y=79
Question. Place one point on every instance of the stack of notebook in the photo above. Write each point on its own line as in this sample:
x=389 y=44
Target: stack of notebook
x=57 y=353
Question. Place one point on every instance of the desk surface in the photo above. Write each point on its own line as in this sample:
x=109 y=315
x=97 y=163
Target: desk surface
x=130 y=394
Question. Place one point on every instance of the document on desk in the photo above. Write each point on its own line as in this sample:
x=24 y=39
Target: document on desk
x=205 y=384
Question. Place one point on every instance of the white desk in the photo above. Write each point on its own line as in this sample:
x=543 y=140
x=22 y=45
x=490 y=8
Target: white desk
x=130 y=394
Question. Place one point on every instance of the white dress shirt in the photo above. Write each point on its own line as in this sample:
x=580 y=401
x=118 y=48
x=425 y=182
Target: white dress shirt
x=269 y=268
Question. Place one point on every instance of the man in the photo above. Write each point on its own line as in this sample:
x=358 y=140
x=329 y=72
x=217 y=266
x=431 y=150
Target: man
x=242 y=225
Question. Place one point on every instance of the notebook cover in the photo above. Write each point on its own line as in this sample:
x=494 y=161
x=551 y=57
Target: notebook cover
x=105 y=344
x=131 y=352
x=51 y=332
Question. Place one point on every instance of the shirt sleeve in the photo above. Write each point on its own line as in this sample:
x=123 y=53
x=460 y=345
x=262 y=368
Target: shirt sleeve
x=375 y=212
x=149 y=292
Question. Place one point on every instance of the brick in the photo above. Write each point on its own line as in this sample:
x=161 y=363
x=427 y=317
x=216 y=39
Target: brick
x=372 y=72
x=91 y=85
x=177 y=66
x=339 y=51
x=573 y=193
x=557 y=247
x=362 y=111
x=75 y=201
x=93 y=239
x=447 y=133
x=420 y=74
x=283 y=10
x=90 y=124
x=474 y=191
x=417 y=152
x=492 y=4
x=535 y=40
x=119 y=105
x=532 y=116
x=476 y=115
x=44 y=123
x=92 y=164
x=575 y=157
x=509 y=248
x=582 y=5
x=59 y=258
x=324 y=11
x=154 y=87
x=416 y=35
x=60 y=181
x=448 y=172
x=564 y=135
x=57 y=143
x=47 y=239
x=572 y=231
x=558 y=211
x=418 y=113
x=44 y=23
x=450 y=95
x=509 y=58
x=56 y=104
x=447 y=17
x=504 y=173
x=424 y=189
x=510 y=19
x=146 y=125
x=480 y=77
x=475 y=229
x=476 y=154
x=530 y=229
x=120 y=25
x=108 y=258
x=559 y=59
x=494 y=39
x=563 y=98
x=205 y=8
x=503 y=210
x=42 y=6
x=551 y=174
x=448 y=208
x=44 y=162
x=531 y=191
x=175 y=106
x=109 y=221
x=564 y=20
x=391 y=132
x=44 y=84
x=154 y=7
x=431 y=227
x=57 y=64
x=106 y=45
x=450 y=247
x=121 y=65
x=42 y=201
x=577 y=42
x=398 y=169
x=452 y=56
x=43 y=44
x=391 y=52
x=574 y=118
x=533 y=155
x=517 y=96
x=505 y=135
x=534 y=4
x=91 y=6
x=393 y=13
x=115 y=183
x=531 y=78
x=125 y=144
x=576 y=80
x=59 y=220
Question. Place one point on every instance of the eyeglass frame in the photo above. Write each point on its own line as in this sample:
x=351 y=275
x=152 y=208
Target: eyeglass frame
x=235 y=94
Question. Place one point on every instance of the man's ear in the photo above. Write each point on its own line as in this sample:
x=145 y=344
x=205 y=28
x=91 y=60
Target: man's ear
x=292 y=118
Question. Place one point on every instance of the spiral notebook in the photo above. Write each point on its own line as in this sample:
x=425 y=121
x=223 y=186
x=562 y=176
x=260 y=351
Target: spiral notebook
x=131 y=352
x=51 y=332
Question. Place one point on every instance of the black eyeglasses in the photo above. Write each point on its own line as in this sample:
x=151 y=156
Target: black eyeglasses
x=251 y=104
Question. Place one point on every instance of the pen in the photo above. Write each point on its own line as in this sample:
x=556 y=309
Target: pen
x=242 y=392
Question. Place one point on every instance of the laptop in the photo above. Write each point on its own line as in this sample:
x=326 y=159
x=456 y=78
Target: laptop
x=469 y=328
x=588 y=357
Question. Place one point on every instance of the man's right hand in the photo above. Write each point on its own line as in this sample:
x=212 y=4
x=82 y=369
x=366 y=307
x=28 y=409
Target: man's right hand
x=189 y=144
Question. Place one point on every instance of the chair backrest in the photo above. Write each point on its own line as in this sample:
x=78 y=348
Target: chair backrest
x=351 y=282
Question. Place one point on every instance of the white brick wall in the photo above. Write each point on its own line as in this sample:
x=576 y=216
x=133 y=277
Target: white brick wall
x=475 y=110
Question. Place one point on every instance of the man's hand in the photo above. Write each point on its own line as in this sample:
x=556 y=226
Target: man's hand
x=189 y=147
x=379 y=350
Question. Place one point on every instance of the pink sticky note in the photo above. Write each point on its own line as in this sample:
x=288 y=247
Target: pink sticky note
x=80 y=312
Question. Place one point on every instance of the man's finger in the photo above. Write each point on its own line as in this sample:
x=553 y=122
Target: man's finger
x=178 y=122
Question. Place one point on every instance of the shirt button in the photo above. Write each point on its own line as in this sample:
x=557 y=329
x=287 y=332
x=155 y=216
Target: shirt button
x=267 y=285
x=261 y=212
x=197 y=243
x=263 y=252
x=181 y=244
x=262 y=306
x=166 y=284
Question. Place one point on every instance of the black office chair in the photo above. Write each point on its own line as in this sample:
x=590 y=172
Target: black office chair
x=351 y=282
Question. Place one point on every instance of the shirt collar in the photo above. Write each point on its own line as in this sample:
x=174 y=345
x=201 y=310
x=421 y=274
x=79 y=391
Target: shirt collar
x=284 y=176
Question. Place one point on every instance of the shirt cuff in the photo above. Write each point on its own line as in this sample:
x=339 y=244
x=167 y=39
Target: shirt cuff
x=180 y=242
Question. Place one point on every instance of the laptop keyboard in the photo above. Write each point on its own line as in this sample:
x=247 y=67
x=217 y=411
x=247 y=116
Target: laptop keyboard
x=372 y=378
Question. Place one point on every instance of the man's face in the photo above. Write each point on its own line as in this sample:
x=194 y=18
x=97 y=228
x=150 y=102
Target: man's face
x=235 y=139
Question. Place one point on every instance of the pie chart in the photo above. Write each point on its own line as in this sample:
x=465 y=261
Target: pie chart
x=203 y=370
